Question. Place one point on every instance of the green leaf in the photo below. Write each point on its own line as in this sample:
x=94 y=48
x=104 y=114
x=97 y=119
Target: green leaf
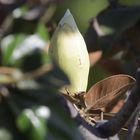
x=42 y=31
x=61 y=126
x=8 y=48
x=96 y=74
x=23 y=121
x=27 y=121
x=129 y=2
x=118 y=20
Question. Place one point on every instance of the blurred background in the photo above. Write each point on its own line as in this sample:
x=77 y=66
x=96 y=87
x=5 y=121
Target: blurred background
x=111 y=29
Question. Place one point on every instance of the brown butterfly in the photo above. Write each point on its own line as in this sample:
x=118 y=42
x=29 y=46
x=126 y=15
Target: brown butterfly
x=102 y=98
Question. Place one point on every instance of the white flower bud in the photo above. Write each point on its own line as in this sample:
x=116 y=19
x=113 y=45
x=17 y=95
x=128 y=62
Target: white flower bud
x=69 y=51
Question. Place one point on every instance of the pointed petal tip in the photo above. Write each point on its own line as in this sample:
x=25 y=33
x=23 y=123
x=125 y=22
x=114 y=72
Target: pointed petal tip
x=68 y=12
x=68 y=19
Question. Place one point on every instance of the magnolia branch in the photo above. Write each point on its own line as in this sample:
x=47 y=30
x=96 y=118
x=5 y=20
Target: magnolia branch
x=113 y=126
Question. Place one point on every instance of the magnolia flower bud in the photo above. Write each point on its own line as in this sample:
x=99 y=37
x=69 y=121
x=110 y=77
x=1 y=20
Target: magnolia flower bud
x=68 y=49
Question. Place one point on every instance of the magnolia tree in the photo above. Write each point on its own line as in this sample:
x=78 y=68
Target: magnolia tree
x=69 y=87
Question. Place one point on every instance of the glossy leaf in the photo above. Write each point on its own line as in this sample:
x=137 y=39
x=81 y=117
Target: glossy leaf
x=106 y=91
x=8 y=46
x=42 y=31
x=118 y=20
x=129 y=2
x=27 y=121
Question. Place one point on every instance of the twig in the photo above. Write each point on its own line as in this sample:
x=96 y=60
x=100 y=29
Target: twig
x=114 y=125
x=40 y=71
x=15 y=75
x=7 y=70
x=133 y=124
x=134 y=119
x=89 y=132
x=106 y=129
